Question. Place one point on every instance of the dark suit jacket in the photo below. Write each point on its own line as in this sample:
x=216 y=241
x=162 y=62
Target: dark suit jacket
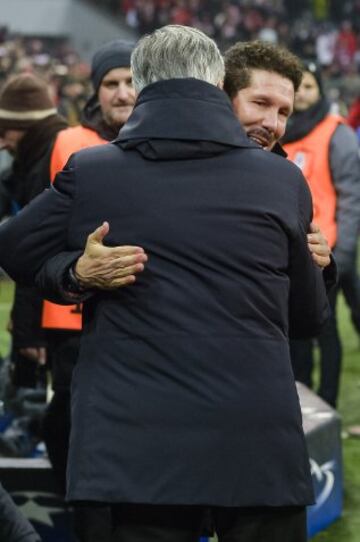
x=183 y=392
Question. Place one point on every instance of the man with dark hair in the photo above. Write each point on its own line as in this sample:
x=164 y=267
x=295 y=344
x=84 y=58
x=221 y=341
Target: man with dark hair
x=183 y=383
x=259 y=78
x=244 y=57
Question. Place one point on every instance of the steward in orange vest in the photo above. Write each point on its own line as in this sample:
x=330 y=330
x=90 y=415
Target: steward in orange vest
x=101 y=121
x=311 y=155
x=327 y=151
x=68 y=141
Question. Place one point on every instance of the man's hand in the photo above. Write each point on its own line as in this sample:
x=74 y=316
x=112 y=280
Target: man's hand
x=34 y=353
x=105 y=267
x=318 y=246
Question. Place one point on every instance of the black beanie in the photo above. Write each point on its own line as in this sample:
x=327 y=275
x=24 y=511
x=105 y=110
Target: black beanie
x=114 y=54
x=313 y=68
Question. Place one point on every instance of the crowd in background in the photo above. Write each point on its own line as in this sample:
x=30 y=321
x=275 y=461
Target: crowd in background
x=328 y=35
x=55 y=61
x=317 y=31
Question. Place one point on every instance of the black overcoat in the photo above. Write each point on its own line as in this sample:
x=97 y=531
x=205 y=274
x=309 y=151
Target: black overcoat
x=183 y=392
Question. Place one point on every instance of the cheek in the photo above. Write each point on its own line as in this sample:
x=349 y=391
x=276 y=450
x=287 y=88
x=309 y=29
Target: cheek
x=105 y=98
x=281 y=128
x=132 y=95
x=246 y=114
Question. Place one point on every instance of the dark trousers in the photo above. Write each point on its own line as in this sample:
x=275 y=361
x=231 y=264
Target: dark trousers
x=56 y=432
x=349 y=283
x=301 y=352
x=148 y=523
x=90 y=522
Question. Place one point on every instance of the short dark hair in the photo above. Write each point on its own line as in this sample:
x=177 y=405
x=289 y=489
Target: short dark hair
x=243 y=57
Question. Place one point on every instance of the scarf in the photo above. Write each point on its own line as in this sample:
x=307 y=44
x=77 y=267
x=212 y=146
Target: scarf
x=301 y=123
x=36 y=143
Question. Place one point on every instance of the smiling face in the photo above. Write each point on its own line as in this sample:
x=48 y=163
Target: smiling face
x=116 y=97
x=264 y=106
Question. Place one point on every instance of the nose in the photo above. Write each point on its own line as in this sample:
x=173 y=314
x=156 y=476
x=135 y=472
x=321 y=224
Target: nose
x=122 y=91
x=270 y=121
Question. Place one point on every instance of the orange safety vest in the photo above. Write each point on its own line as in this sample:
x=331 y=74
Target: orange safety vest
x=67 y=142
x=311 y=155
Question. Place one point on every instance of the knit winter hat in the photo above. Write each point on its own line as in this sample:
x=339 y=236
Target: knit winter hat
x=313 y=68
x=24 y=100
x=114 y=54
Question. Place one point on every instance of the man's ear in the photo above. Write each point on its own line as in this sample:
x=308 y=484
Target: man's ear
x=220 y=84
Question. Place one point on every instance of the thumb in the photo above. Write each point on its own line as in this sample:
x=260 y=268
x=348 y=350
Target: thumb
x=98 y=235
x=314 y=228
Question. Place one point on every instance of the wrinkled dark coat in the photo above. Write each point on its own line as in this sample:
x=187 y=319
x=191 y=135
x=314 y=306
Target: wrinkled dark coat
x=183 y=392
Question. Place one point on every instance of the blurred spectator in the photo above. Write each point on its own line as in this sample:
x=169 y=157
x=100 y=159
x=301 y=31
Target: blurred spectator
x=354 y=115
x=345 y=46
x=55 y=62
x=72 y=99
x=325 y=45
x=333 y=175
x=325 y=31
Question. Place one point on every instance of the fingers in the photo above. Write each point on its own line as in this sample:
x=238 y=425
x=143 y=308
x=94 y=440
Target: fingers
x=119 y=282
x=321 y=261
x=316 y=238
x=124 y=251
x=106 y=272
x=124 y=262
x=318 y=248
x=106 y=277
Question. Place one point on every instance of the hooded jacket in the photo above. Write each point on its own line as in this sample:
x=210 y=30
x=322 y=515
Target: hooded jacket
x=183 y=392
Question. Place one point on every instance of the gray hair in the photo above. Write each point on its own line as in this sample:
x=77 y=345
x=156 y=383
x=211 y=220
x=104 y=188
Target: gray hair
x=176 y=51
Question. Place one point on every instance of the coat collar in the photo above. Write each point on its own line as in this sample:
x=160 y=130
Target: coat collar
x=187 y=110
x=279 y=150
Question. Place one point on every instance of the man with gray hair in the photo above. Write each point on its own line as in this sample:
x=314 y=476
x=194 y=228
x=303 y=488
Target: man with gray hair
x=183 y=397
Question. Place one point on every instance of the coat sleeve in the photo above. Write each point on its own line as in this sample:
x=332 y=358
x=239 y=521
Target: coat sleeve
x=26 y=318
x=52 y=279
x=308 y=303
x=39 y=231
x=345 y=171
x=330 y=275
